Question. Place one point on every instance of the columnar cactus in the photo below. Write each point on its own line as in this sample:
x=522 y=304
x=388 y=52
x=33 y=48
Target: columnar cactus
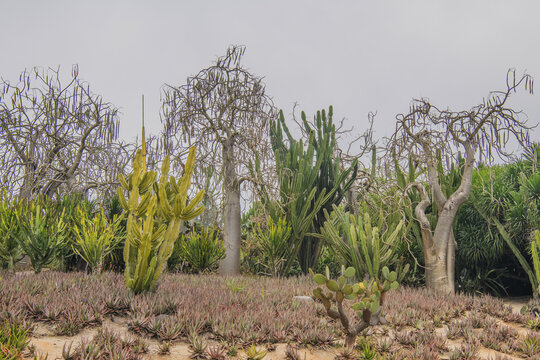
x=156 y=211
x=368 y=297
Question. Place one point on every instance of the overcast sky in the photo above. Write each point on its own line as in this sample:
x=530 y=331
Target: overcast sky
x=359 y=56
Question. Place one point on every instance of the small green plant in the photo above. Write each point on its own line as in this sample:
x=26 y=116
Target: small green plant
x=202 y=250
x=235 y=287
x=13 y=340
x=95 y=238
x=197 y=346
x=534 y=324
x=255 y=353
x=368 y=296
x=43 y=235
x=164 y=348
x=273 y=240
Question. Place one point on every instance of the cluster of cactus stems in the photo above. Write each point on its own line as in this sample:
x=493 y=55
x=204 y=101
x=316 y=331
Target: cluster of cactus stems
x=368 y=297
x=156 y=211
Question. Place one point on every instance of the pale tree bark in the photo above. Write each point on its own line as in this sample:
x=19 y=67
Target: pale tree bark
x=230 y=265
x=482 y=131
x=223 y=111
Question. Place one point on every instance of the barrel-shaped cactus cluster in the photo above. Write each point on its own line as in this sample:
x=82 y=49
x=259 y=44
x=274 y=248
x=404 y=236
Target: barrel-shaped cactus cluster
x=156 y=211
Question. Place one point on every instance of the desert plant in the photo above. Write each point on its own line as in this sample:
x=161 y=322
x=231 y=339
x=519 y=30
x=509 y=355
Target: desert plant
x=10 y=216
x=13 y=340
x=368 y=296
x=535 y=249
x=202 y=249
x=273 y=240
x=43 y=235
x=95 y=238
x=356 y=242
x=255 y=353
x=156 y=211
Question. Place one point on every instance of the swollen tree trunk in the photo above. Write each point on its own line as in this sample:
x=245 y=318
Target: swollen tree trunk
x=440 y=245
x=230 y=265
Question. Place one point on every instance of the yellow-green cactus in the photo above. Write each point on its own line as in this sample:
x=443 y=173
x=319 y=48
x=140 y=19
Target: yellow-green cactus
x=156 y=210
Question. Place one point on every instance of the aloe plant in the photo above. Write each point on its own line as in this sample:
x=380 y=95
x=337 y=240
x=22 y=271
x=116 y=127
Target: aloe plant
x=203 y=249
x=43 y=235
x=273 y=240
x=156 y=211
x=95 y=238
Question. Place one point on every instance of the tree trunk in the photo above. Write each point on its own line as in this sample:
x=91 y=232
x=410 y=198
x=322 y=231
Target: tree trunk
x=451 y=262
x=230 y=265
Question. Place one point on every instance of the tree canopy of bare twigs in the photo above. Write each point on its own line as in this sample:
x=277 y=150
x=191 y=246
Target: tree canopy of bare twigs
x=224 y=111
x=56 y=137
x=481 y=133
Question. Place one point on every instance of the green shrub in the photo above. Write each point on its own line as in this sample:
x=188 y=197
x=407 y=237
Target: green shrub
x=273 y=240
x=13 y=340
x=10 y=250
x=96 y=238
x=43 y=235
x=201 y=250
x=355 y=241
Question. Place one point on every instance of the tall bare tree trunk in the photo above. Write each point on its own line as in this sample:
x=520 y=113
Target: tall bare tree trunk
x=230 y=265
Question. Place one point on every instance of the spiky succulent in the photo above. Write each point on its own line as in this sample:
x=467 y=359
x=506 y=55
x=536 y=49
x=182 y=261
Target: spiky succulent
x=156 y=211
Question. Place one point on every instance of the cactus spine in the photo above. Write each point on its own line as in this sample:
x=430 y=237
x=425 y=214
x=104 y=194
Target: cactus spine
x=156 y=211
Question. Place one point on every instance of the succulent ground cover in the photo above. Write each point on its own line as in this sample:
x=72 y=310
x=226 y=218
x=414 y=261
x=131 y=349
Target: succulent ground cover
x=248 y=317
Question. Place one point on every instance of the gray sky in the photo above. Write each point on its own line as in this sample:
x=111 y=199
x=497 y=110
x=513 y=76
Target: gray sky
x=359 y=56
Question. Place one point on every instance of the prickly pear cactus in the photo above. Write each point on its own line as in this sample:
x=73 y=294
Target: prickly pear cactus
x=156 y=211
x=368 y=297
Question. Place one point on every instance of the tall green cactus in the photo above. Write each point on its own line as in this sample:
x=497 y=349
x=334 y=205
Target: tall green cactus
x=330 y=179
x=156 y=211
x=310 y=181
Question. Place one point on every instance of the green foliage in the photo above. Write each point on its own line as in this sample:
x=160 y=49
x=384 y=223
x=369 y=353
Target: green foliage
x=43 y=235
x=359 y=242
x=535 y=255
x=201 y=250
x=273 y=240
x=310 y=180
x=156 y=210
x=504 y=209
x=10 y=217
x=255 y=353
x=367 y=296
x=13 y=340
x=96 y=238
x=70 y=205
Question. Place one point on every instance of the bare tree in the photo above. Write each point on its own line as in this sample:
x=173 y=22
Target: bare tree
x=55 y=136
x=224 y=111
x=481 y=133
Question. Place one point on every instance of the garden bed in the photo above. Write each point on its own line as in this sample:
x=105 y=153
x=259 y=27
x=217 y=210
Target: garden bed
x=230 y=315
